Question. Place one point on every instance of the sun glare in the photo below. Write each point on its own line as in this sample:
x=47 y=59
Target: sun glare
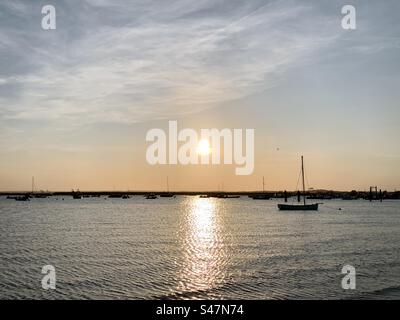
x=203 y=148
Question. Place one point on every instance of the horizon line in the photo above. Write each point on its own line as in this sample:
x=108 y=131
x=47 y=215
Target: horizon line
x=2 y=192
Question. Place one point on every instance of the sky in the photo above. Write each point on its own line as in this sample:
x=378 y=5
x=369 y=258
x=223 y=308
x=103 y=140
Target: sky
x=76 y=102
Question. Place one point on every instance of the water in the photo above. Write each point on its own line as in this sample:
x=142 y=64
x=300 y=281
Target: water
x=194 y=248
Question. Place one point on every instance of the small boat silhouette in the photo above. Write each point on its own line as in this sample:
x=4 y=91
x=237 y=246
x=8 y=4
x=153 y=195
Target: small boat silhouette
x=115 y=196
x=167 y=195
x=260 y=196
x=22 y=198
x=300 y=207
x=295 y=207
x=76 y=194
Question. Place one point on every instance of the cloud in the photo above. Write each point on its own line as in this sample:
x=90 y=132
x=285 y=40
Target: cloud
x=119 y=61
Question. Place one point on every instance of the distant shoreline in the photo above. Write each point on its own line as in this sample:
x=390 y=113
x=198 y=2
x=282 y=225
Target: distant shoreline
x=313 y=194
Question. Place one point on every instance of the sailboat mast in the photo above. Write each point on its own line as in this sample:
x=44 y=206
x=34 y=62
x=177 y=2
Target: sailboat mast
x=302 y=175
x=263 y=185
x=167 y=185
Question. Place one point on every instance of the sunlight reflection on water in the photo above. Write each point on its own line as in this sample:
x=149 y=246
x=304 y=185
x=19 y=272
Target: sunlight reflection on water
x=204 y=255
x=197 y=248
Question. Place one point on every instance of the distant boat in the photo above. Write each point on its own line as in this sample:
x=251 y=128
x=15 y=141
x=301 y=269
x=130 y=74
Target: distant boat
x=76 y=194
x=151 y=196
x=22 y=198
x=319 y=197
x=261 y=196
x=226 y=196
x=295 y=207
x=118 y=196
x=41 y=195
x=300 y=207
x=203 y=196
x=115 y=195
x=167 y=194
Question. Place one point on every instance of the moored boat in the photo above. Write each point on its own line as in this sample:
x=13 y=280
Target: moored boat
x=300 y=207
x=22 y=198
x=76 y=194
x=167 y=194
x=260 y=196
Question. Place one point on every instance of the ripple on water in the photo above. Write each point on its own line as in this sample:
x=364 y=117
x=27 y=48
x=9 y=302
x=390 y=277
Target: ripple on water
x=196 y=248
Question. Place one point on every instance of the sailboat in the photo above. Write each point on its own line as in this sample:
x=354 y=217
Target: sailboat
x=22 y=198
x=167 y=194
x=261 y=196
x=304 y=206
x=76 y=194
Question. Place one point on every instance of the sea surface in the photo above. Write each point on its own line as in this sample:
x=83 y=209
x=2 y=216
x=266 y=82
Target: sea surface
x=197 y=248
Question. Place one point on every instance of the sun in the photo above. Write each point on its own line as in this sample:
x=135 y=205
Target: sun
x=203 y=147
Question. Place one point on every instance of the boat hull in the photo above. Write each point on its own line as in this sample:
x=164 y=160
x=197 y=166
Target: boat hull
x=261 y=197
x=167 y=195
x=298 y=207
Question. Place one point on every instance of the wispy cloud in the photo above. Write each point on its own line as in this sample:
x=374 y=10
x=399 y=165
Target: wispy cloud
x=123 y=61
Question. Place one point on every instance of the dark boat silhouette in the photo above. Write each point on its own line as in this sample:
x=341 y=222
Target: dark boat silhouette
x=115 y=196
x=76 y=194
x=300 y=207
x=167 y=194
x=151 y=196
x=22 y=198
x=261 y=196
